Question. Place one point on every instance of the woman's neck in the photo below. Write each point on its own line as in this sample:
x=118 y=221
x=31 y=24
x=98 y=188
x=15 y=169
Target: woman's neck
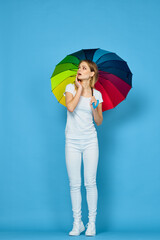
x=86 y=86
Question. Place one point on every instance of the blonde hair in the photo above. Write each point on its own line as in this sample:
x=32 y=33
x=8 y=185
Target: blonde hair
x=93 y=67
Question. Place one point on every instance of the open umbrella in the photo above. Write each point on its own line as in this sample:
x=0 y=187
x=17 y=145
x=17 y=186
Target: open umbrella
x=114 y=81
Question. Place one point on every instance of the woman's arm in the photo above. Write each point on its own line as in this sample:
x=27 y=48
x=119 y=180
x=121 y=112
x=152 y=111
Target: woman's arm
x=71 y=102
x=97 y=113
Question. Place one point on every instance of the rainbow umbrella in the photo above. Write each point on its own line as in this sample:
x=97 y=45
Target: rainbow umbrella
x=114 y=81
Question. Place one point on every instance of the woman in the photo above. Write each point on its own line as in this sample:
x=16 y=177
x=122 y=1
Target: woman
x=81 y=138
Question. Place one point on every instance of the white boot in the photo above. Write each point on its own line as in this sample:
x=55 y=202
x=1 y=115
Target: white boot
x=78 y=227
x=91 y=229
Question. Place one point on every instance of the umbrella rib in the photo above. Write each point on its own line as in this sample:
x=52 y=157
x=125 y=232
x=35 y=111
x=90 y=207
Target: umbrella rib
x=106 y=92
x=66 y=78
x=117 y=67
x=112 y=83
x=65 y=70
x=60 y=84
x=108 y=54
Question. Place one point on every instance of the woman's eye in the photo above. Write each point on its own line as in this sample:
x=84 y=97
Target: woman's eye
x=83 y=68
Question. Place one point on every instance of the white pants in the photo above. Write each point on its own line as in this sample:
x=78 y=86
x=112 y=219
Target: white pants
x=73 y=150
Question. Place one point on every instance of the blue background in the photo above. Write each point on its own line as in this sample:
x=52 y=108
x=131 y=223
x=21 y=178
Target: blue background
x=34 y=187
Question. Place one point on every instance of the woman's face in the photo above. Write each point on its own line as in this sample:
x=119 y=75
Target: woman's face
x=84 y=72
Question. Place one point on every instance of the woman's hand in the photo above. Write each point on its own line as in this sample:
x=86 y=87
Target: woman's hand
x=93 y=100
x=78 y=83
x=97 y=112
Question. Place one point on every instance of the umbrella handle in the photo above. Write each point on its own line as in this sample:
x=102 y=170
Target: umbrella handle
x=96 y=104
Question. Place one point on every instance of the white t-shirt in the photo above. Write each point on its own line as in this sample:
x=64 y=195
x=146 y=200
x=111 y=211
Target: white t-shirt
x=80 y=122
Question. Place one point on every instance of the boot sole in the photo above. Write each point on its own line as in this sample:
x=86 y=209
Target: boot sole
x=90 y=234
x=82 y=230
x=87 y=234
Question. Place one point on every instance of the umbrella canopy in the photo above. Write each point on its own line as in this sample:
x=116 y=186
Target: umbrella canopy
x=114 y=81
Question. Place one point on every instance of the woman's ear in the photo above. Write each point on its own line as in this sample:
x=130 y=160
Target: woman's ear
x=92 y=74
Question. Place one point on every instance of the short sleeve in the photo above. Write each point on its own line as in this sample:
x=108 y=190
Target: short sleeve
x=100 y=97
x=69 y=88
